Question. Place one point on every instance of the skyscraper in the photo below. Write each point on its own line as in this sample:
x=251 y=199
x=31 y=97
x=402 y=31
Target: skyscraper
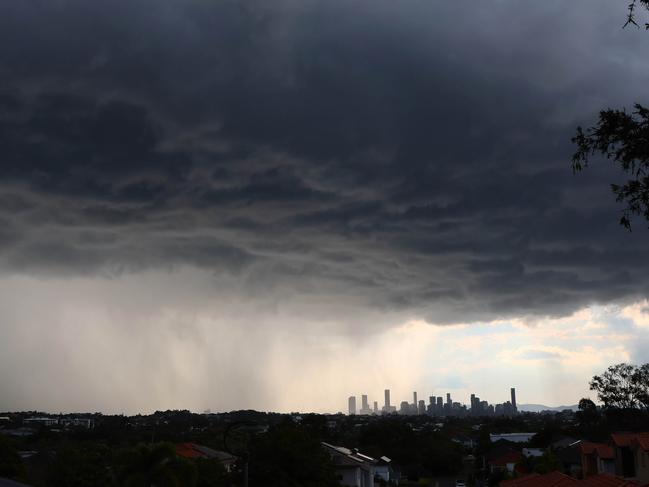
x=421 y=407
x=387 y=399
x=365 y=406
x=414 y=399
x=376 y=407
x=352 y=405
x=513 y=392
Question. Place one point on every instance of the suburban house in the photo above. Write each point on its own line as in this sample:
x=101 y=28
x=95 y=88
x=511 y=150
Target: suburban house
x=596 y=458
x=192 y=450
x=632 y=455
x=504 y=461
x=512 y=437
x=354 y=469
x=626 y=455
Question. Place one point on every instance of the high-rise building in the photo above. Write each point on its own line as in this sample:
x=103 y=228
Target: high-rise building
x=414 y=399
x=405 y=408
x=365 y=406
x=352 y=405
x=439 y=411
x=376 y=407
x=431 y=406
x=421 y=407
x=513 y=392
x=387 y=399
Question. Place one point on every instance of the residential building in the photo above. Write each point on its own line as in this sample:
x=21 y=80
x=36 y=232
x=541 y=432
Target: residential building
x=513 y=437
x=354 y=469
x=192 y=450
x=596 y=458
x=631 y=455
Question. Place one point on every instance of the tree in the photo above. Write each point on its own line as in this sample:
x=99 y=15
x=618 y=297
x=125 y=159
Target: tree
x=587 y=415
x=631 y=17
x=623 y=386
x=288 y=456
x=81 y=466
x=624 y=138
x=10 y=464
x=155 y=466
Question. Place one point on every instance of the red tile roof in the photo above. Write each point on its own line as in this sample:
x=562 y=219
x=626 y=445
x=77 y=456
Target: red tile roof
x=553 y=479
x=505 y=458
x=558 y=479
x=602 y=450
x=607 y=480
x=187 y=450
x=628 y=439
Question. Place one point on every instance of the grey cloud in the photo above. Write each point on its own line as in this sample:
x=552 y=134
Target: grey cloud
x=539 y=355
x=412 y=156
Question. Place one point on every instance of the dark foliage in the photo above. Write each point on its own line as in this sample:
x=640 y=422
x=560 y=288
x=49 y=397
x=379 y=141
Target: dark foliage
x=631 y=17
x=10 y=464
x=623 y=138
x=149 y=465
x=623 y=386
x=288 y=456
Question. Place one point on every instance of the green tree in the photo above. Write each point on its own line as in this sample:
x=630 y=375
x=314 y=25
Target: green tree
x=211 y=473
x=81 y=466
x=622 y=137
x=623 y=386
x=10 y=464
x=547 y=463
x=588 y=416
x=288 y=456
x=155 y=466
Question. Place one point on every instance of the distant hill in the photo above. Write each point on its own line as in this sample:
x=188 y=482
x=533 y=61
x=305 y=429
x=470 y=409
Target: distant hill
x=537 y=408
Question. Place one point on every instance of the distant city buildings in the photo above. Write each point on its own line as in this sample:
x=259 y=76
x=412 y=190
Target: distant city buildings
x=437 y=406
x=365 y=407
x=351 y=402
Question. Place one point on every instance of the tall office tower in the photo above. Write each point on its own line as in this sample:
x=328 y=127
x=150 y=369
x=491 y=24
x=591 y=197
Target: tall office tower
x=473 y=409
x=405 y=408
x=352 y=405
x=448 y=398
x=414 y=399
x=376 y=407
x=440 y=406
x=364 y=404
x=513 y=391
x=387 y=399
x=483 y=407
x=422 y=407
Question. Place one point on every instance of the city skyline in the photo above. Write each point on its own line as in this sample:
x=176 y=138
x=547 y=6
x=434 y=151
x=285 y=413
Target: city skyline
x=436 y=406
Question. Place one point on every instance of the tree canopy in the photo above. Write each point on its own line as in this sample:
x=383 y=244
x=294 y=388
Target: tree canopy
x=623 y=386
x=622 y=137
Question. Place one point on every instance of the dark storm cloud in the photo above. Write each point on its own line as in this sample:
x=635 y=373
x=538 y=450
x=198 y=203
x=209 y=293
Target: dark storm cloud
x=413 y=155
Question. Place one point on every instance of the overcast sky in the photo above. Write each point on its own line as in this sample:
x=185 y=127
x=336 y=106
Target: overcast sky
x=274 y=205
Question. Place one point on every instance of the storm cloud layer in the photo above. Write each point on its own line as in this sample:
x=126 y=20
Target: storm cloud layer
x=408 y=156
